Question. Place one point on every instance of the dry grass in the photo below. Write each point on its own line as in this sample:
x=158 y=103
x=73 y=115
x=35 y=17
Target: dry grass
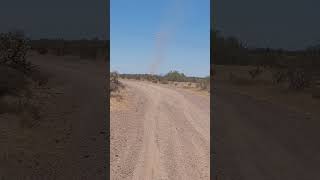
x=25 y=106
x=241 y=72
x=118 y=100
x=11 y=81
x=18 y=95
x=188 y=86
x=237 y=78
x=26 y=134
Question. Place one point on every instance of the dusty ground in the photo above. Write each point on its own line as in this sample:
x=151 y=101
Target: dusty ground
x=69 y=140
x=188 y=87
x=262 y=88
x=258 y=137
x=160 y=133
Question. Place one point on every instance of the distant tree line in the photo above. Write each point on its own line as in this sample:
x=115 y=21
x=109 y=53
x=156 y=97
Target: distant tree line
x=297 y=67
x=231 y=51
x=170 y=76
x=60 y=47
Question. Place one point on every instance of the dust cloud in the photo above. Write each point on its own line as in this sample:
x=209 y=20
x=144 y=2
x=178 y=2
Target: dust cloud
x=166 y=33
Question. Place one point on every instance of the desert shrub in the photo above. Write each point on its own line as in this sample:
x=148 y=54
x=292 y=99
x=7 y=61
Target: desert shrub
x=113 y=87
x=204 y=83
x=114 y=76
x=115 y=84
x=175 y=76
x=255 y=72
x=15 y=68
x=298 y=79
x=13 y=51
x=279 y=76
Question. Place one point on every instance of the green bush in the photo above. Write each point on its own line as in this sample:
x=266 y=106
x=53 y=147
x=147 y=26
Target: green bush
x=175 y=76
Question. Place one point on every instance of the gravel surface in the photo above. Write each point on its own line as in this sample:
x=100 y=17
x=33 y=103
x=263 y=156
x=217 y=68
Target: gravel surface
x=162 y=133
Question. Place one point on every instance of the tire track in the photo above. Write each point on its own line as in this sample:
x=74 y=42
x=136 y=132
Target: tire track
x=176 y=135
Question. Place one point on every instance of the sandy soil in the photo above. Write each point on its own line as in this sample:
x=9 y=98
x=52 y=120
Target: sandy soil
x=259 y=139
x=70 y=140
x=262 y=88
x=161 y=133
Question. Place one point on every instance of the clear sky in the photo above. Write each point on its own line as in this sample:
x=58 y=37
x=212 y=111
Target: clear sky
x=159 y=36
x=68 y=19
x=289 y=24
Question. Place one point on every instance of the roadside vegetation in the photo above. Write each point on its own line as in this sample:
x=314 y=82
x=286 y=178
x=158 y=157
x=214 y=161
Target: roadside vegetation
x=173 y=77
x=293 y=70
x=85 y=48
x=17 y=78
x=286 y=77
x=115 y=84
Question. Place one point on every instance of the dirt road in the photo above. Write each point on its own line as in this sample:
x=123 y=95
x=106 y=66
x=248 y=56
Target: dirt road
x=70 y=141
x=162 y=133
x=260 y=140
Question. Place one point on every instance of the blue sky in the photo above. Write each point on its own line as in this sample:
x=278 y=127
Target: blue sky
x=288 y=24
x=174 y=33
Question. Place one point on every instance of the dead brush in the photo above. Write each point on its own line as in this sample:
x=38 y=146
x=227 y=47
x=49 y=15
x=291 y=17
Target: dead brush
x=255 y=72
x=298 y=79
x=115 y=84
x=205 y=85
x=13 y=52
x=279 y=76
